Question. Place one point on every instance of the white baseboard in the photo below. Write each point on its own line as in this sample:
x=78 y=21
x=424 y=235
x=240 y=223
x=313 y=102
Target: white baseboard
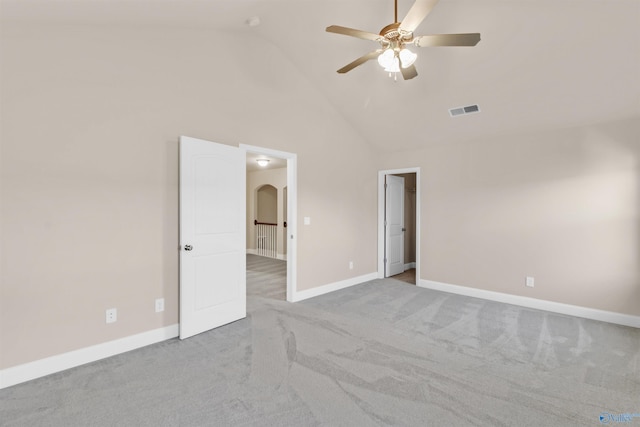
x=331 y=287
x=40 y=368
x=409 y=266
x=252 y=251
x=282 y=257
x=554 y=307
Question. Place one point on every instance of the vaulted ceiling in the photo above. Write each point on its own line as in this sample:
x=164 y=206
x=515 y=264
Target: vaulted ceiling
x=540 y=64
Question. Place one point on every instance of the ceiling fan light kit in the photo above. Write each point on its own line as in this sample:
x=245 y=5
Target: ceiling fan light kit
x=407 y=57
x=394 y=56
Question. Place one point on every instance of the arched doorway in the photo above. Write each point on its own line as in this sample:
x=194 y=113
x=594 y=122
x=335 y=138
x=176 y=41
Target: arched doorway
x=266 y=222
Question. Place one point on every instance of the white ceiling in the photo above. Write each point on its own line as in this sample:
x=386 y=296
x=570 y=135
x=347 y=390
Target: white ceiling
x=540 y=64
x=274 y=162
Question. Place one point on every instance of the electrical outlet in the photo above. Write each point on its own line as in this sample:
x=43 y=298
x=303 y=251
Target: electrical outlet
x=350 y=265
x=111 y=315
x=159 y=305
x=529 y=282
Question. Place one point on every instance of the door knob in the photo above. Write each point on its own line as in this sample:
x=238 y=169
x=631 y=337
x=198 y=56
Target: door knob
x=188 y=247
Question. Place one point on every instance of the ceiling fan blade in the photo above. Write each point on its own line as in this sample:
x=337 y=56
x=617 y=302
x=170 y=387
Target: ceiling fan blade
x=416 y=15
x=360 y=61
x=468 y=39
x=353 y=33
x=409 y=72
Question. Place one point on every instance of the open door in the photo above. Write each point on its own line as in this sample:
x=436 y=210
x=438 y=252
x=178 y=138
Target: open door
x=212 y=235
x=394 y=225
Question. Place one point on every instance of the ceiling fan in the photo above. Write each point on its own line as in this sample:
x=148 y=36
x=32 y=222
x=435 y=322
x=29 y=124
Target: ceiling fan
x=393 y=54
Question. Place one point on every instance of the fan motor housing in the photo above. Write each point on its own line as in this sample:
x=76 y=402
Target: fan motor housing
x=393 y=32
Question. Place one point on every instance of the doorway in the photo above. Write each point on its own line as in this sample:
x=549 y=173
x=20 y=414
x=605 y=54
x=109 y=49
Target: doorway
x=399 y=224
x=271 y=225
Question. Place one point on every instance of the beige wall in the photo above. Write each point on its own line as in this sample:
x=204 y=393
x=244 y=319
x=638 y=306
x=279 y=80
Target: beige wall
x=560 y=205
x=91 y=118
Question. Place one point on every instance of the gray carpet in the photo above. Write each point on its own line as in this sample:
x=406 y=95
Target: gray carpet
x=380 y=353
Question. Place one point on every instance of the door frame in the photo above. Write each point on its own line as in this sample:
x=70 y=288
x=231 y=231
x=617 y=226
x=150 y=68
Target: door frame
x=292 y=211
x=381 y=212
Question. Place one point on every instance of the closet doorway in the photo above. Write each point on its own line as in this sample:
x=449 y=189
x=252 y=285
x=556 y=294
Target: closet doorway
x=399 y=224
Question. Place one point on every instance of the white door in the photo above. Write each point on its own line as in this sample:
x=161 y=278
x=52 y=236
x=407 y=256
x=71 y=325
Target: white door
x=394 y=225
x=212 y=235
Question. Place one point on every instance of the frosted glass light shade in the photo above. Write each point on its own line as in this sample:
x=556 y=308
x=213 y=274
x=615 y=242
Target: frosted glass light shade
x=407 y=58
x=386 y=58
x=394 y=66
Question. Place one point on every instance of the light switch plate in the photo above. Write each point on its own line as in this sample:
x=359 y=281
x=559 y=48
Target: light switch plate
x=307 y=220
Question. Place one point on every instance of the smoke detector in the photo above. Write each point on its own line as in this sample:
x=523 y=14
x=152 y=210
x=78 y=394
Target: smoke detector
x=254 y=21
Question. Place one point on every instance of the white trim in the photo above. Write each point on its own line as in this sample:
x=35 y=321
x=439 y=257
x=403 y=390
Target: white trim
x=409 y=266
x=50 y=365
x=538 y=304
x=292 y=212
x=381 y=175
x=331 y=287
x=292 y=226
x=252 y=251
